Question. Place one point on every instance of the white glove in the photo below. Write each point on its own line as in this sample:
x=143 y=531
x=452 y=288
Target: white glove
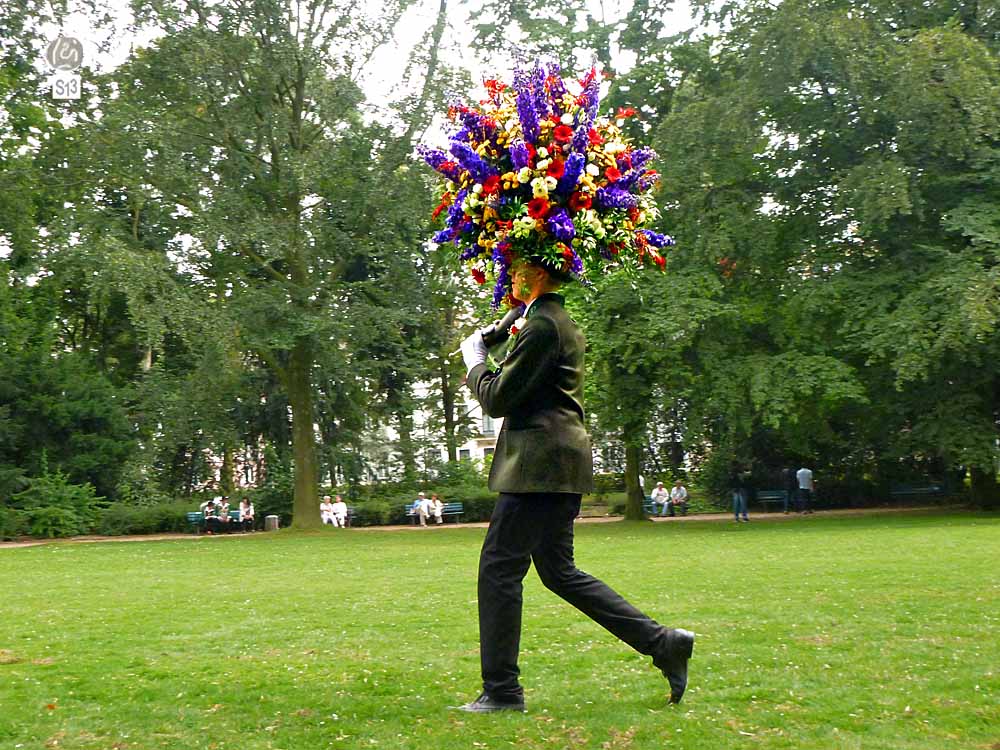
x=474 y=350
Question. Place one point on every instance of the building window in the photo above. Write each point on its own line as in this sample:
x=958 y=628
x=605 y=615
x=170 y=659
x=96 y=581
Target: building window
x=463 y=454
x=488 y=452
x=488 y=428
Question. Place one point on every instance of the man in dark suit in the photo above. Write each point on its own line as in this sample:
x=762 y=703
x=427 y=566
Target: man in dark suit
x=541 y=467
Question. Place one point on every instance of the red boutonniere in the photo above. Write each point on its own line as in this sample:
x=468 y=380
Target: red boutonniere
x=517 y=327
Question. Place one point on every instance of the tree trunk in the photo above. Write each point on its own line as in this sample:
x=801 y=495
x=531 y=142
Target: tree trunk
x=985 y=489
x=404 y=422
x=633 y=498
x=226 y=482
x=448 y=407
x=305 y=503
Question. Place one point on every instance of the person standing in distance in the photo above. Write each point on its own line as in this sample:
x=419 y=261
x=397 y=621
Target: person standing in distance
x=805 y=480
x=541 y=468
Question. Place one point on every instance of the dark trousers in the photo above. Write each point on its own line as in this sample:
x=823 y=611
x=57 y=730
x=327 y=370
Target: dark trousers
x=805 y=497
x=539 y=528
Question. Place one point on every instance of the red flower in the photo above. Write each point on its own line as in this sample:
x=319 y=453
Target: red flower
x=594 y=137
x=566 y=252
x=626 y=159
x=491 y=185
x=532 y=154
x=625 y=112
x=612 y=174
x=633 y=214
x=538 y=207
x=580 y=201
x=445 y=202
x=494 y=87
x=479 y=276
x=563 y=134
x=556 y=168
x=659 y=260
x=615 y=247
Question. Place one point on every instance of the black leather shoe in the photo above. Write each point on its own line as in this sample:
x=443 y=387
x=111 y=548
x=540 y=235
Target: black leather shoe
x=673 y=661
x=486 y=705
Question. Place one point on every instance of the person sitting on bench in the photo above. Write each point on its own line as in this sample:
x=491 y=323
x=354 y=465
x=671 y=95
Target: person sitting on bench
x=212 y=523
x=339 y=509
x=246 y=514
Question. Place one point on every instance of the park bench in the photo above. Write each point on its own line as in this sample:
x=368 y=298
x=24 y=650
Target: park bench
x=917 y=490
x=649 y=507
x=771 y=496
x=449 y=509
x=196 y=519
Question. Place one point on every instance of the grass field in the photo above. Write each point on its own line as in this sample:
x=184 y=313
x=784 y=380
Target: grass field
x=871 y=632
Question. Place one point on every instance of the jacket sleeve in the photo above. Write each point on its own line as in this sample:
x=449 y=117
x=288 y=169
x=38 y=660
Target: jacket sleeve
x=528 y=367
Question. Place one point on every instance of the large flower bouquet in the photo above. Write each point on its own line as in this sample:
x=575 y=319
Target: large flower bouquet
x=535 y=173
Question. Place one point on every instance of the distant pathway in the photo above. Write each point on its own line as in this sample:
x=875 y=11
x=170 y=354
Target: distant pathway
x=760 y=517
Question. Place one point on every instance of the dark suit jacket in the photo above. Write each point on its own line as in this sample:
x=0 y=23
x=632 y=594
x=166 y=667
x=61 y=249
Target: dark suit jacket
x=538 y=390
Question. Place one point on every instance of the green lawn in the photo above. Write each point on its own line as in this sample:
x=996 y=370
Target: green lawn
x=873 y=632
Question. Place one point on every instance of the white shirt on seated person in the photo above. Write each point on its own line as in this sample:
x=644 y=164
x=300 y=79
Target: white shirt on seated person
x=339 y=510
x=326 y=511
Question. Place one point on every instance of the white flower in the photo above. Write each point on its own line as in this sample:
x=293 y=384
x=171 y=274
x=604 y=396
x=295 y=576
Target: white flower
x=523 y=226
x=566 y=119
x=539 y=188
x=593 y=170
x=542 y=152
x=551 y=182
x=477 y=188
x=524 y=174
x=543 y=164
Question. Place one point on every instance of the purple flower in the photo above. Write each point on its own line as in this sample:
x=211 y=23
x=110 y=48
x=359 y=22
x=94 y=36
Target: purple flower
x=455 y=212
x=616 y=198
x=639 y=159
x=657 y=240
x=591 y=94
x=478 y=124
x=581 y=137
x=437 y=159
x=647 y=181
x=471 y=252
x=527 y=115
x=541 y=101
x=561 y=225
x=500 y=290
x=445 y=235
x=557 y=89
x=473 y=162
x=571 y=173
x=575 y=264
x=519 y=154
x=642 y=156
